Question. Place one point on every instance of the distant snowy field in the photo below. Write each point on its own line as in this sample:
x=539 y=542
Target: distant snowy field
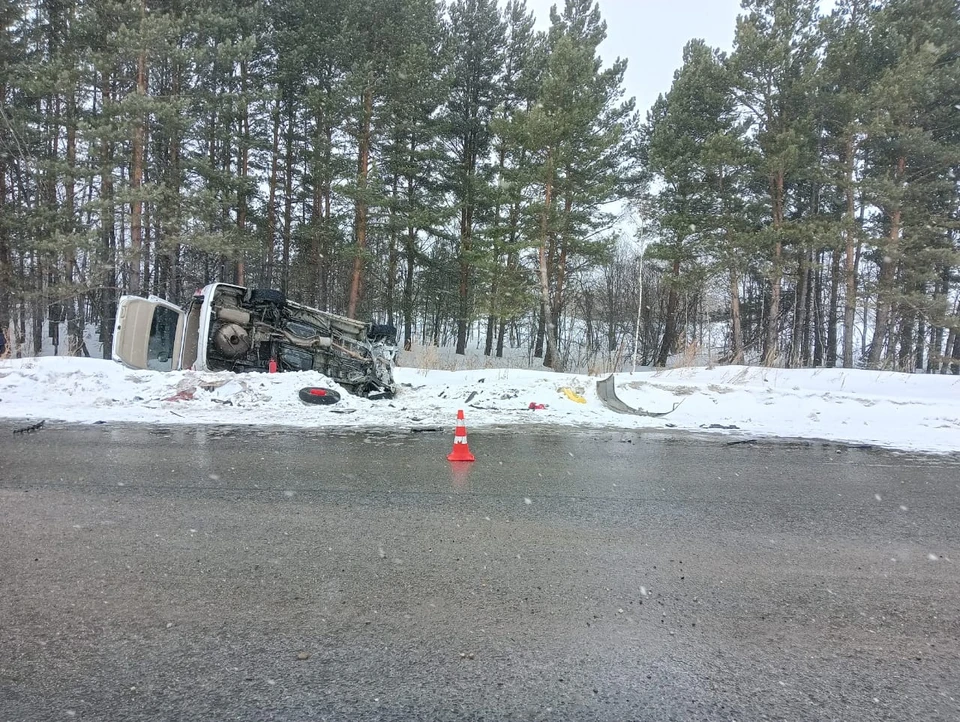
x=901 y=411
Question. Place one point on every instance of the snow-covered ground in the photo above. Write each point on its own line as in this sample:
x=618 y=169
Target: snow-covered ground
x=902 y=411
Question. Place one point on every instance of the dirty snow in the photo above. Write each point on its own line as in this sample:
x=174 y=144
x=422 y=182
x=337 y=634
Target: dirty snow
x=903 y=411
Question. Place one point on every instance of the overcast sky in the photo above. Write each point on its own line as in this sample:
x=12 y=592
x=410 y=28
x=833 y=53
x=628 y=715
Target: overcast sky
x=651 y=34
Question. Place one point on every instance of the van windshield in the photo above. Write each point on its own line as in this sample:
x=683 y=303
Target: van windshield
x=163 y=335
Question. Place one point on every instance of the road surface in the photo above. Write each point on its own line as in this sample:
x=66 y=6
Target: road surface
x=177 y=573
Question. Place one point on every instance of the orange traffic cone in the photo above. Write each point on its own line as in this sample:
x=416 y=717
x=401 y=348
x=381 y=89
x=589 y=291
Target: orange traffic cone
x=461 y=449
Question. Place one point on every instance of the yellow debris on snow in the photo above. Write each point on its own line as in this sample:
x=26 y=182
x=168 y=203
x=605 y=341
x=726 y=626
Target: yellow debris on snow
x=573 y=395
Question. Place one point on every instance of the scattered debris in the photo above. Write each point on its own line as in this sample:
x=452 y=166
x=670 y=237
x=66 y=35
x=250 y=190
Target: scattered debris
x=302 y=656
x=212 y=385
x=607 y=391
x=728 y=427
x=536 y=407
x=573 y=395
x=30 y=429
x=185 y=395
x=471 y=397
x=741 y=441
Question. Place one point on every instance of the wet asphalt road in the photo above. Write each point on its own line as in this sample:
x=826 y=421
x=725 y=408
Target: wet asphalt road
x=217 y=574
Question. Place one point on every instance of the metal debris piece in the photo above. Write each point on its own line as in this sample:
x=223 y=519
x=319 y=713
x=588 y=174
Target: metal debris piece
x=30 y=429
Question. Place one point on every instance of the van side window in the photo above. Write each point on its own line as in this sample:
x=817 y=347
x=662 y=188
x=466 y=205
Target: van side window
x=163 y=335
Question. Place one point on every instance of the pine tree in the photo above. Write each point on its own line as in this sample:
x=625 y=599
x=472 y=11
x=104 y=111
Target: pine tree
x=475 y=48
x=577 y=133
x=850 y=66
x=775 y=57
x=694 y=144
x=910 y=161
x=524 y=61
x=413 y=153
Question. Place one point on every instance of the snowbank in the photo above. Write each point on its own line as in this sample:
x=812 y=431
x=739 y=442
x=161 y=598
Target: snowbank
x=911 y=412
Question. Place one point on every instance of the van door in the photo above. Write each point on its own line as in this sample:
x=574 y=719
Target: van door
x=148 y=333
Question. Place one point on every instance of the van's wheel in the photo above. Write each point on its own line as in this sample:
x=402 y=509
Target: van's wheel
x=317 y=395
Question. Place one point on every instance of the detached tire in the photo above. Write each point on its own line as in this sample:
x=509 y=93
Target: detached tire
x=318 y=396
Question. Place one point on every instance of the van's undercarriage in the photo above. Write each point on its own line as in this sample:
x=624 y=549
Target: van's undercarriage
x=253 y=329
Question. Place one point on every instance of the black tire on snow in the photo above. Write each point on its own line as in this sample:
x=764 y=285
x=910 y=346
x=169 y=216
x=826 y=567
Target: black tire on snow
x=319 y=396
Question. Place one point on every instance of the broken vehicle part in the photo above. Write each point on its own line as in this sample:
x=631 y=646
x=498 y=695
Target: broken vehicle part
x=607 y=391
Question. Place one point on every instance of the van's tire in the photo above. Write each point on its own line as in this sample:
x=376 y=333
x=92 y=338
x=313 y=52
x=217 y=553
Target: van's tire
x=267 y=295
x=318 y=396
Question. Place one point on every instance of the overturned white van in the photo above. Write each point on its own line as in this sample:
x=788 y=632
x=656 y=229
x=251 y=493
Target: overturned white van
x=231 y=328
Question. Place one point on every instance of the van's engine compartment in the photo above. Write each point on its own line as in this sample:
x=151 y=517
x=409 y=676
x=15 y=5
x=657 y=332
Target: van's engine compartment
x=249 y=328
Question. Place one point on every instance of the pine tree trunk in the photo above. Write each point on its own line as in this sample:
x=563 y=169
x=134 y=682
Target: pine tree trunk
x=146 y=277
x=108 y=243
x=935 y=354
x=270 y=237
x=920 y=345
x=314 y=255
x=463 y=289
x=888 y=266
x=671 y=318
x=816 y=313
x=735 y=314
x=551 y=356
x=6 y=262
x=834 y=309
x=935 y=350
x=243 y=166
x=326 y=248
x=410 y=254
x=136 y=171
x=360 y=207
x=560 y=269
x=808 y=312
x=948 y=351
x=70 y=195
x=850 y=275
x=538 y=339
x=287 y=200
x=393 y=259
x=491 y=329
x=800 y=305
x=906 y=349
x=494 y=305
x=611 y=298
x=773 y=318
